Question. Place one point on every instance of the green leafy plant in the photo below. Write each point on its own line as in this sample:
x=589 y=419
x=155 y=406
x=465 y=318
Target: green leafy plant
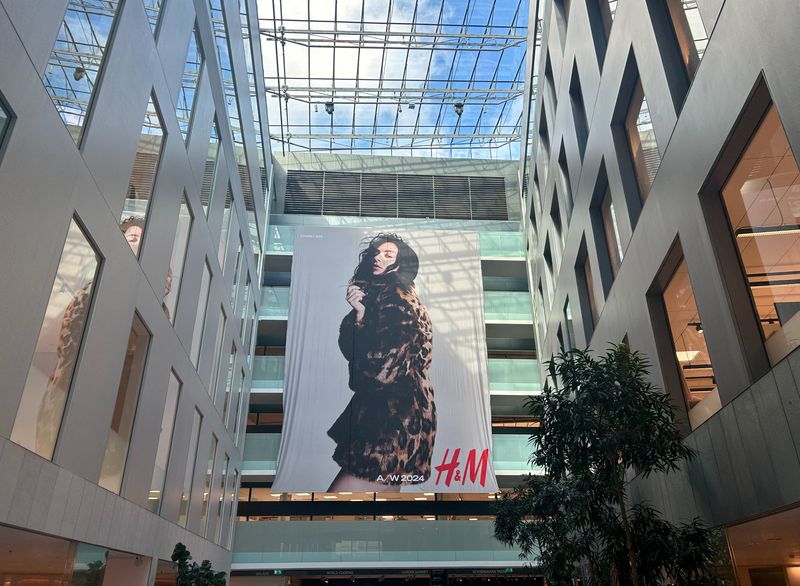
x=192 y=574
x=599 y=419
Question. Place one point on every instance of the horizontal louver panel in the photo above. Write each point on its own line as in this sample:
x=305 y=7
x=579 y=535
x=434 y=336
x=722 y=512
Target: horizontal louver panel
x=390 y=195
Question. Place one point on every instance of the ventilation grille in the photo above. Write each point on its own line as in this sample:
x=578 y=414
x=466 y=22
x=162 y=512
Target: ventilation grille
x=387 y=195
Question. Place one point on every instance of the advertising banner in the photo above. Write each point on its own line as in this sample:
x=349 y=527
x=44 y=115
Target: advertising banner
x=385 y=384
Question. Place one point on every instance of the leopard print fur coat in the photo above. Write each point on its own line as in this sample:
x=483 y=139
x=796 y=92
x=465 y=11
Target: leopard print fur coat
x=389 y=426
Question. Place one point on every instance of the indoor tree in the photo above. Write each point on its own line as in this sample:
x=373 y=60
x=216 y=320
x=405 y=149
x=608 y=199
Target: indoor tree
x=600 y=418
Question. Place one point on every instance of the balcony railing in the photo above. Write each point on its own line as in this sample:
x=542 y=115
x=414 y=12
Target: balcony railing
x=505 y=245
x=383 y=543
x=510 y=453
x=498 y=306
x=506 y=375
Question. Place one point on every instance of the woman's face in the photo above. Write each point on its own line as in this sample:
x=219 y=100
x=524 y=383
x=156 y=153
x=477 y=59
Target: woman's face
x=384 y=258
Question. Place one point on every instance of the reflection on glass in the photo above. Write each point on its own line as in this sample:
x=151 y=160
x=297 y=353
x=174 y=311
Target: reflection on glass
x=44 y=397
x=232 y=506
x=210 y=168
x=223 y=489
x=188 y=90
x=689 y=32
x=762 y=199
x=188 y=475
x=179 y=245
x=228 y=220
x=130 y=382
x=229 y=386
x=239 y=402
x=611 y=230
x=143 y=176
x=642 y=141
x=212 y=385
x=569 y=327
x=200 y=316
x=76 y=61
x=164 y=443
x=212 y=456
x=691 y=352
x=153 y=10
x=589 y=278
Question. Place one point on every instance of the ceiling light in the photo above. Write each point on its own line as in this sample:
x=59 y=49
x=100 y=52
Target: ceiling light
x=329 y=107
x=459 y=108
x=420 y=498
x=753 y=231
x=329 y=496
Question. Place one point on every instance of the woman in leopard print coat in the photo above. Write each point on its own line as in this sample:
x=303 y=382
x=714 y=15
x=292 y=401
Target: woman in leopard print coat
x=384 y=438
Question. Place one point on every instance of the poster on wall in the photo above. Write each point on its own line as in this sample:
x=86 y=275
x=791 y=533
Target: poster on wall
x=386 y=385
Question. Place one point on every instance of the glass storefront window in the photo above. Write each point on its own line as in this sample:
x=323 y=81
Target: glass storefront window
x=179 y=247
x=642 y=141
x=200 y=316
x=187 y=93
x=188 y=474
x=611 y=230
x=210 y=168
x=762 y=200
x=47 y=387
x=143 y=177
x=164 y=443
x=130 y=382
x=74 y=66
x=212 y=456
x=689 y=343
x=689 y=32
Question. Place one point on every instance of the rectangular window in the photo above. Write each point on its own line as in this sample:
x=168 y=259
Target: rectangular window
x=549 y=79
x=578 y=110
x=761 y=200
x=164 y=443
x=176 y=265
x=642 y=141
x=229 y=221
x=249 y=338
x=691 y=352
x=569 y=327
x=245 y=307
x=237 y=425
x=589 y=280
x=223 y=489
x=236 y=272
x=229 y=386
x=563 y=167
x=200 y=316
x=188 y=475
x=74 y=67
x=611 y=232
x=153 y=10
x=210 y=168
x=212 y=456
x=130 y=383
x=232 y=506
x=212 y=384
x=49 y=380
x=143 y=176
x=690 y=32
x=187 y=93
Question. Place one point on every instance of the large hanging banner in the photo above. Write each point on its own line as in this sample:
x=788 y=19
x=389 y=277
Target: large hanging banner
x=385 y=384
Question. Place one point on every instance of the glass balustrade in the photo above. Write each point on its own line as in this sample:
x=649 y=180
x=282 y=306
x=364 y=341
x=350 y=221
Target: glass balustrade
x=510 y=452
x=499 y=306
x=280 y=240
x=506 y=375
x=505 y=306
x=370 y=541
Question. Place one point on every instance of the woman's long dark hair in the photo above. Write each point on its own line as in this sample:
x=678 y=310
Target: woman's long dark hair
x=406 y=264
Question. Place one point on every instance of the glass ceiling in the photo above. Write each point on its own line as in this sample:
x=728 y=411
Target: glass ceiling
x=394 y=74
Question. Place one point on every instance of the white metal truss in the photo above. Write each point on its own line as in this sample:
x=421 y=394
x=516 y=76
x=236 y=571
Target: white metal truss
x=424 y=77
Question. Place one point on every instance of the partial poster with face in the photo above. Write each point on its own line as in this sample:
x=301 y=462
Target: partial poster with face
x=386 y=386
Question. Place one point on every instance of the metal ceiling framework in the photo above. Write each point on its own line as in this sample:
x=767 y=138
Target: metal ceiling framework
x=409 y=77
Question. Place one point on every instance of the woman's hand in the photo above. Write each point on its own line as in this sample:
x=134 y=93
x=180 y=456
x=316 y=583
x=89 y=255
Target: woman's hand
x=354 y=296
